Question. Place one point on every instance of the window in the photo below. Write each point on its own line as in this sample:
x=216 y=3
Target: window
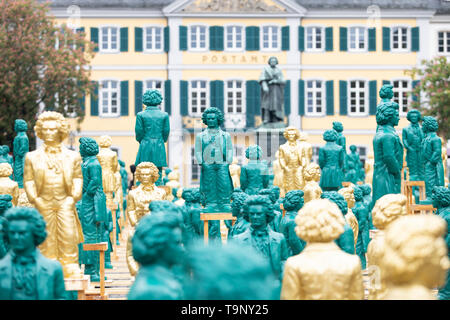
x=358 y=39
x=109 y=39
x=401 y=89
x=314 y=94
x=109 y=98
x=198 y=93
x=315 y=156
x=197 y=37
x=195 y=168
x=362 y=152
x=234 y=93
x=239 y=154
x=400 y=38
x=270 y=38
x=151 y=84
x=444 y=41
x=357 y=95
x=234 y=38
x=153 y=39
x=314 y=38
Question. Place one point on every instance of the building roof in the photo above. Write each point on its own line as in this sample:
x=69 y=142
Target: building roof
x=150 y=4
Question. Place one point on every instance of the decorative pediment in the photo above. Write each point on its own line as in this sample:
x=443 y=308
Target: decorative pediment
x=234 y=6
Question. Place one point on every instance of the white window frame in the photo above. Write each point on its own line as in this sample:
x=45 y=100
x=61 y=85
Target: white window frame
x=225 y=38
x=407 y=90
x=408 y=38
x=366 y=39
x=445 y=52
x=190 y=48
x=100 y=100
x=190 y=89
x=314 y=113
x=225 y=96
x=366 y=99
x=193 y=164
x=315 y=153
x=100 y=39
x=145 y=88
x=261 y=38
x=144 y=38
x=322 y=34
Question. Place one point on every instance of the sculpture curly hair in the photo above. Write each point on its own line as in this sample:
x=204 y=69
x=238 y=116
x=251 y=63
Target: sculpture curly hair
x=388 y=208
x=163 y=206
x=5 y=203
x=330 y=135
x=338 y=126
x=63 y=124
x=441 y=195
x=88 y=147
x=291 y=128
x=319 y=221
x=411 y=112
x=269 y=193
x=293 y=200
x=429 y=124
x=20 y=125
x=6 y=148
x=412 y=243
x=147 y=165
x=152 y=98
x=311 y=170
x=35 y=219
x=366 y=188
x=386 y=91
x=5 y=169
x=358 y=193
x=348 y=194
x=254 y=150
x=275 y=192
x=238 y=203
x=385 y=112
x=105 y=141
x=338 y=199
x=259 y=200
x=219 y=115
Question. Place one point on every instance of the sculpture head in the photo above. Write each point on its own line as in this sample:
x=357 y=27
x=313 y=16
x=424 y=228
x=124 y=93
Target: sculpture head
x=52 y=127
x=303 y=136
x=353 y=148
x=6 y=148
x=253 y=152
x=319 y=221
x=238 y=200
x=429 y=124
x=20 y=125
x=358 y=194
x=152 y=98
x=105 y=141
x=258 y=210
x=338 y=199
x=26 y=229
x=366 y=188
x=146 y=173
x=157 y=239
x=386 y=91
x=330 y=136
x=293 y=200
x=387 y=209
x=273 y=61
x=88 y=147
x=414 y=116
x=164 y=206
x=337 y=126
x=415 y=251
x=275 y=191
x=212 y=117
x=348 y=195
x=2 y=151
x=269 y=193
x=387 y=113
x=291 y=134
x=5 y=203
x=191 y=195
x=121 y=163
x=312 y=172
x=441 y=197
x=5 y=170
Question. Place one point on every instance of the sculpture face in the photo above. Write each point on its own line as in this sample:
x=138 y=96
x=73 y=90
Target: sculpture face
x=211 y=120
x=414 y=117
x=273 y=62
x=145 y=176
x=257 y=216
x=50 y=132
x=20 y=236
x=349 y=197
x=395 y=119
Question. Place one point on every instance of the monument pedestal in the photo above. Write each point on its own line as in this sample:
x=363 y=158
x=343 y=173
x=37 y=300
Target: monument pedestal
x=270 y=137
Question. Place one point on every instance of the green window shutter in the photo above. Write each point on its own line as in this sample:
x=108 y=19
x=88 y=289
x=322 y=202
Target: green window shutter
x=166 y=39
x=216 y=94
x=372 y=39
x=301 y=38
x=80 y=31
x=216 y=38
x=94 y=99
x=123 y=98
x=329 y=91
x=252 y=38
x=373 y=97
x=343 y=39
x=138 y=39
x=184 y=97
x=386 y=39
x=252 y=102
x=183 y=38
x=138 y=93
x=415 y=45
x=94 y=38
x=285 y=38
x=301 y=97
x=123 y=39
x=82 y=100
x=329 y=39
x=386 y=82
x=287 y=98
x=212 y=40
x=414 y=83
x=168 y=96
x=342 y=97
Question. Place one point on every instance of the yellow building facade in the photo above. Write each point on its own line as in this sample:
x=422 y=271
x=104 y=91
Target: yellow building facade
x=202 y=53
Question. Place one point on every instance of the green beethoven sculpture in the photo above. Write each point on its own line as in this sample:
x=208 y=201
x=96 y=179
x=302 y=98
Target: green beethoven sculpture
x=5 y=204
x=124 y=176
x=152 y=131
x=240 y=225
x=388 y=149
x=431 y=150
x=331 y=162
x=350 y=172
x=412 y=137
x=293 y=202
x=254 y=174
x=214 y=154
x=341 y=140
x=272 y=92
x=354 y=158
x=20 y=149
x=362 y=215
x=25 y=274
x=93 y=205
x=272 y=194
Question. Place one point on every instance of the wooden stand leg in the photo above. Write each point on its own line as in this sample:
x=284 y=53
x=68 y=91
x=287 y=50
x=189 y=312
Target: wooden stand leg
x=205 y=231
x=102 y=273
x=113 y=241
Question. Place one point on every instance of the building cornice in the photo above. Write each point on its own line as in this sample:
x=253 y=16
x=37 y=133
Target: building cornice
x=109 y=13
x=359 y=13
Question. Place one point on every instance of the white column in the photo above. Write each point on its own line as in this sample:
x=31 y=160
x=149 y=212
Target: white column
x=293 y=60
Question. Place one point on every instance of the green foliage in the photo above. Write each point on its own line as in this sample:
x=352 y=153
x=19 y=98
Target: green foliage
x=41 y=65
x=434 y=78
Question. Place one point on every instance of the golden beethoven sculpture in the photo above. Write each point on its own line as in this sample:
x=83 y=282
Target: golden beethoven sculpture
x=53 y=183
x=110 y=168
x=8 y=186
x=312 y=189
x=348 y=195
x=322 y=271
x=292 y=160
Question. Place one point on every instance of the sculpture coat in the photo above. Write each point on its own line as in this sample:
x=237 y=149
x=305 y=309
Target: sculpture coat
x=272 y=92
